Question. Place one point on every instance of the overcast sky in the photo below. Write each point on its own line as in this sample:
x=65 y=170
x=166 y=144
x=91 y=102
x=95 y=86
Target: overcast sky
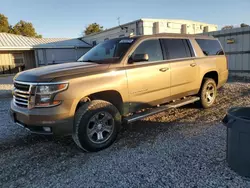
x=68 y=18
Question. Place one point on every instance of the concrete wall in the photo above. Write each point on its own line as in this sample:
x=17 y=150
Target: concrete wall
x=149 y=27
x=236 y=43
x=53 y=56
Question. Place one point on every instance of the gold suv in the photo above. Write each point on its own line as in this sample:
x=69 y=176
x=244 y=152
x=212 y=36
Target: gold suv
x=114 y=81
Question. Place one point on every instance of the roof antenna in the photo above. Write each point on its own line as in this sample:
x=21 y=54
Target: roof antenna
x=126 y=28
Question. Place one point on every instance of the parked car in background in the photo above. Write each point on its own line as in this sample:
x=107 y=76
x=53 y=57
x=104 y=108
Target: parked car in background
x=114 y=81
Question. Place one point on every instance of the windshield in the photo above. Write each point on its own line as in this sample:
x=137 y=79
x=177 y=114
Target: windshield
x=111 y=49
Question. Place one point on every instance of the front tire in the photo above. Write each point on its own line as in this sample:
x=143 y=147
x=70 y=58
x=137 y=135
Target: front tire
x=96 y=125
x=208 y=93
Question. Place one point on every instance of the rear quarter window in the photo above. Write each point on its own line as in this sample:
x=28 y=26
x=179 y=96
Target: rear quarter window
x=210 y=47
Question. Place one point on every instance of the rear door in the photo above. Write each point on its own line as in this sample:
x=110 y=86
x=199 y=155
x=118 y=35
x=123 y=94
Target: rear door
x=184 y=70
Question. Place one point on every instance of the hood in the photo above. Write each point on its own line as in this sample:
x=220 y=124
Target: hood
x=48 y=73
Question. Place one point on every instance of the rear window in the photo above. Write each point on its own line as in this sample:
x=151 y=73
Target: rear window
x=177 y=48
x=210 y=47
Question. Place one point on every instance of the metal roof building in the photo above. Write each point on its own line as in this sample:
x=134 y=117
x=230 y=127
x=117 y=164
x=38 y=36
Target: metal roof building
x=11 y=41
x=236 y=44
x=29 y=52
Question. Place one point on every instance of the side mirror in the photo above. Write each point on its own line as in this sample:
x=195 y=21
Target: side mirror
x=138 y=58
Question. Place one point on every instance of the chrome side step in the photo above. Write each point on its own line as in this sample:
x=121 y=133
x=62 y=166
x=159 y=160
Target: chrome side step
x=183 y=102
x=157 y=110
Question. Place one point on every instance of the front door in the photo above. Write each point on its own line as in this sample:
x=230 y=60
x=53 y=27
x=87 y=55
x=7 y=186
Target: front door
x=148 y=82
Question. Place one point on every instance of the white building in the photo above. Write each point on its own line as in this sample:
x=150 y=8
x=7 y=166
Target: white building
x=151 y=26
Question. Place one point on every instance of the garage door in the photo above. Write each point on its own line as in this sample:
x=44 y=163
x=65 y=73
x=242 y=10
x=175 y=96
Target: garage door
x=60 y=55
x=40 y=57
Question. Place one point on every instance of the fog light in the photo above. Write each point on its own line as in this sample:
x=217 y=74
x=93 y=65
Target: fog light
x=47 y=129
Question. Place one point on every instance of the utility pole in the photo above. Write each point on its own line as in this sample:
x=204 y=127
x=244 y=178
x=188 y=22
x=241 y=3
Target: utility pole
x=118 y=19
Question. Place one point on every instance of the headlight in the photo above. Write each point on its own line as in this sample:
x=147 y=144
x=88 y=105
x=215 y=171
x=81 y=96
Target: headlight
x=45 y=94
x=49 y=89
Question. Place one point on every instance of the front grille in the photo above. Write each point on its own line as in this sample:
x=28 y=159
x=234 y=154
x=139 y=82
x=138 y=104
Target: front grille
x=21 y=94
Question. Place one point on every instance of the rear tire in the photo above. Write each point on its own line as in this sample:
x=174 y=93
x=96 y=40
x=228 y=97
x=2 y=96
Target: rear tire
x=208 y=93
x=96 y=125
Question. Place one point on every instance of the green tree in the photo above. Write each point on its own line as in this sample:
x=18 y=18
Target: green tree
x=244 y=25
x=93 y=28
x=4 y=24
x=39 y=36
x=25 y=29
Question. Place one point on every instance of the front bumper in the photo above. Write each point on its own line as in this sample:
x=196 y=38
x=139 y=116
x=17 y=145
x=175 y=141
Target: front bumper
x=55 y=120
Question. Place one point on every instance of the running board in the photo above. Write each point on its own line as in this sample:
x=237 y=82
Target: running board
x=157 y=110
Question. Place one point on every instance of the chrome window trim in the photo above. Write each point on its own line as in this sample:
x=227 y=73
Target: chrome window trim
x=147 y=62
x=164 y=60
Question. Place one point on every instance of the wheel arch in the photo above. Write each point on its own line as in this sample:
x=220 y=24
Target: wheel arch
x=211 y=74
x=112 y=96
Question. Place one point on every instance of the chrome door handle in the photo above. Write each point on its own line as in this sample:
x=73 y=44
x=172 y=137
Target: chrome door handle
x=193 y=64
x=163 y=69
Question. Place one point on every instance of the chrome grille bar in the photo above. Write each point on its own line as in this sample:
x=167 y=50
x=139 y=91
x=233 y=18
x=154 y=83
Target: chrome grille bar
x=21 y=103
x=22 y=94
x=20 y=91
x=21 y=99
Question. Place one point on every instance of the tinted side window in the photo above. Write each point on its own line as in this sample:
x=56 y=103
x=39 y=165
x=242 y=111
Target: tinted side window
x=210 y=47
x=177 y=48
x=152 y=48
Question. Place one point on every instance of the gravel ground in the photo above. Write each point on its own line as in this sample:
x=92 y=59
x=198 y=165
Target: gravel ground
x=183 y=147
x=5 y=86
